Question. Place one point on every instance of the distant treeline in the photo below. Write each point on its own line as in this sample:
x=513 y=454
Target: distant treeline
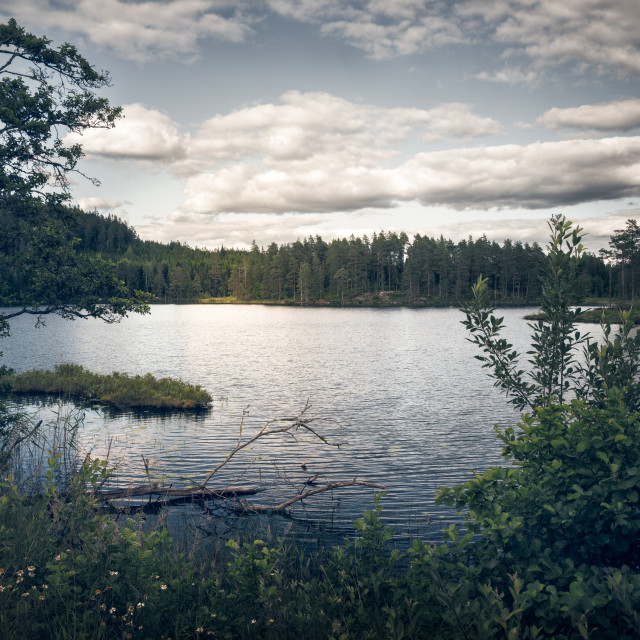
x=352 y=270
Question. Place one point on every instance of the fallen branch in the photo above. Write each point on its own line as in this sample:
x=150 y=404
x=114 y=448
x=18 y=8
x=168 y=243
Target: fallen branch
x=312 y=492
x=200 y=491
x=160 y=490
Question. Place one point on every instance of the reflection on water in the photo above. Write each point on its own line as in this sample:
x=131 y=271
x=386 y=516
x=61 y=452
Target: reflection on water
x=401 y=386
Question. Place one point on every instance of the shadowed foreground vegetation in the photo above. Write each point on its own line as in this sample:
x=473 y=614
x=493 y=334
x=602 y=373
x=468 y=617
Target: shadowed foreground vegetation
x=118 y=389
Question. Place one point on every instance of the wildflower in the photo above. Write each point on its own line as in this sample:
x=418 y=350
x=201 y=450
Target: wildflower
x=103 y=624
x=1 y=571
x=31 y=568
x=213 y=615
x=253 y=622
x=113 y=573
x=58 y=557
x=140 y=605
x=163 y=587
x=45 y=586
x=19 y=579
x=271 y=620
x=41 y=598
x=1 y=588
x=130 y=608
x=25 y=595
x=199 y=630
x=33 y=587
x=98 y=592
x=20 y=572
x=31 y=574
x=112 y=610
x=103 y=607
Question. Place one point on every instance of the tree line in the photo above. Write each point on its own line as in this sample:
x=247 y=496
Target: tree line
x=354 y=270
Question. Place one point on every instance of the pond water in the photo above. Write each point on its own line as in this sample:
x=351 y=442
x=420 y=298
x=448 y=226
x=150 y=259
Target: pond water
x=400 y=386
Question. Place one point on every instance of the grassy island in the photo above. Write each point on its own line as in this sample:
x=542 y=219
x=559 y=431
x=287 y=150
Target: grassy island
x=117 y=389
x=608 y=315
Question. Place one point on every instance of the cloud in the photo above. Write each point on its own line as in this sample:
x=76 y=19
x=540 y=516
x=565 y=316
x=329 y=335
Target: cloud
x=239 y=230
x=509 y=75
x=604 y=34
x=100 y=204
x=535 y=176
x=597 y=230
x=142 y=30
x=142 y=134
x=620 y=115
x=318 y=153
x=233 y=230
x=587 y=34
x=312 y=130
x=538 y=175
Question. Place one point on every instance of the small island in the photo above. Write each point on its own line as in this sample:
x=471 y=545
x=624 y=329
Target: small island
x=118 y=390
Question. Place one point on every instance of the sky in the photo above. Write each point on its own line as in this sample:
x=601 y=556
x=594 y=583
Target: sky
x=273 y=120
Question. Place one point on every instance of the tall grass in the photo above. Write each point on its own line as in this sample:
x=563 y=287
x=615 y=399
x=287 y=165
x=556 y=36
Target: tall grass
x=117 y=389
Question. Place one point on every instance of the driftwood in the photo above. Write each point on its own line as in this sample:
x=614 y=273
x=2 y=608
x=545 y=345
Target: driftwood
x=307 y=494
x=281 y=426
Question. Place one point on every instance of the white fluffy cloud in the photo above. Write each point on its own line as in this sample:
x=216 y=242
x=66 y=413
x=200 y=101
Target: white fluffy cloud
x=600 y=34
x=620 y=115
x=234 y=230
x=318 y=153
x=537 y=175
x=140 y=30
x=316 y=128
x=100 y=204
x=596 y=33
x=534 y=176
x=142 y=134
x=604 y=34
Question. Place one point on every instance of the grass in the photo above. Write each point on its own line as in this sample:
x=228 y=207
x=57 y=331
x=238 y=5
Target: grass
x=118 y=389
x=595 y=316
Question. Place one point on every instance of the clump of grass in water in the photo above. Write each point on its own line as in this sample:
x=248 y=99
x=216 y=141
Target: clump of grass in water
x=118 y=389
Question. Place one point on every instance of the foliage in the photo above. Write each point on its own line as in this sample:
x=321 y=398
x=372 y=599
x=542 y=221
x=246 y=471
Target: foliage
x=563 y=521
x=119 y=389
x=625 y=250
x=45 y=94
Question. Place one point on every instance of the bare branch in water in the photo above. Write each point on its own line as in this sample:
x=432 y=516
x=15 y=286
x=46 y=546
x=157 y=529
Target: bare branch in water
x=280 y=426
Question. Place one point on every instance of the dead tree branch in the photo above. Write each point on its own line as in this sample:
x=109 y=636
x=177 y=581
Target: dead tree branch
x=279 y=427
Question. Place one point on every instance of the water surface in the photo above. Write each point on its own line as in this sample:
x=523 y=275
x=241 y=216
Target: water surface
x=415 y=407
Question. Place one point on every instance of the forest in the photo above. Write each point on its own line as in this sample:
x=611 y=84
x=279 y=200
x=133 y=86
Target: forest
x=386 y=268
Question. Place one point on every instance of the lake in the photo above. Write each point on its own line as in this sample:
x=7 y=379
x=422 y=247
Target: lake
x=401 y=386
